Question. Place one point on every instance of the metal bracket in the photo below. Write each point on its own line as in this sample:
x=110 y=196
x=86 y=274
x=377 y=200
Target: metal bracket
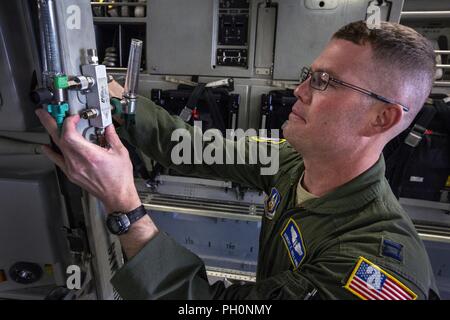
x=179 y=81
x=186 y=114
x=283 y=84
x=415 y=136
x=229 y=82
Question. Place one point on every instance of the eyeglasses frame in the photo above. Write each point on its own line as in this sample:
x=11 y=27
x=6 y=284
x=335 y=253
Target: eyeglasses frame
x=309 y=73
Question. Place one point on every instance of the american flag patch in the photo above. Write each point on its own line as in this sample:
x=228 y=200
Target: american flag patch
x=370 y=282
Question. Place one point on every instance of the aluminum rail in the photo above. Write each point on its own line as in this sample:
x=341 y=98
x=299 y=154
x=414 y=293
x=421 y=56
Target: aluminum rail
x=443 y=66
x=119 y=4
x=442 y=83
x=433 y=233
x=425 y=14
x=433 y=237
x=190 y=180
x=231 y=274
x=199 y=207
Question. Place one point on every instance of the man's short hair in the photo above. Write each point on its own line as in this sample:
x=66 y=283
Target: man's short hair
x=407 y=55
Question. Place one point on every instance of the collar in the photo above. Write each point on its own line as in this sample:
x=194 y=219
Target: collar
x=302 y=194
x=350 y=196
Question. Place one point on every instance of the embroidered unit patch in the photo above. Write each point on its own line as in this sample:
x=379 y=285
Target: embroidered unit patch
x=271 y=203
x=293 y=240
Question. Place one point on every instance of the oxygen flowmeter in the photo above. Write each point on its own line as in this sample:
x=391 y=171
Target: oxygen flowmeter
x=91 y=86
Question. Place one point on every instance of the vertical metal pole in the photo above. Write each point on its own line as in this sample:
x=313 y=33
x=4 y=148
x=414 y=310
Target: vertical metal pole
x=49 y=39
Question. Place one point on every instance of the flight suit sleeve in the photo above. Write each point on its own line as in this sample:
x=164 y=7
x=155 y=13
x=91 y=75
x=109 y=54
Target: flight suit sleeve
x=164 y=269
x=161 y=137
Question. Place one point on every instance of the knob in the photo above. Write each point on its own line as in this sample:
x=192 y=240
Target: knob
x=41 y=96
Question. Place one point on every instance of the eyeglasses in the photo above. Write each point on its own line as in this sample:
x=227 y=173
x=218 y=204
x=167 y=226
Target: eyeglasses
x=320 y=80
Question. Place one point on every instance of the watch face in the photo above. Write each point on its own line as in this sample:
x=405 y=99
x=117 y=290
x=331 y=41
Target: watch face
x=114 y=227
x=118 y=223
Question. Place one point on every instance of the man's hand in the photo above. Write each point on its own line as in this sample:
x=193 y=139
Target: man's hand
x=105 y=173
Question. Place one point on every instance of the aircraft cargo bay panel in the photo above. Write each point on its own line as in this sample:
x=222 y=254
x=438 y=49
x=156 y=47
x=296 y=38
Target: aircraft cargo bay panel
x=238 y=38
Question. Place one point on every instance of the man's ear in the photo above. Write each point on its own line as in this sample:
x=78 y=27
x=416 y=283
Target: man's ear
x=384 y=117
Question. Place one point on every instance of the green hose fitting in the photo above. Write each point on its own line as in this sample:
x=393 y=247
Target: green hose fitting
x=60 y=82
x=117 y=104
x=58 y=112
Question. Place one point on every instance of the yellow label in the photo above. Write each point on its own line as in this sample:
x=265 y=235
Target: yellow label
x=267 y=140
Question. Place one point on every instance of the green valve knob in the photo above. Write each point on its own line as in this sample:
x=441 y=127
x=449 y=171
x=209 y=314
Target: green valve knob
x=61 y=82
x=117 y=104
x=58 y=112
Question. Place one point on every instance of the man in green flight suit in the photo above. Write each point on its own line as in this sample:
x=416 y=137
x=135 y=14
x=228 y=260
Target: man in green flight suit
x=332 y=227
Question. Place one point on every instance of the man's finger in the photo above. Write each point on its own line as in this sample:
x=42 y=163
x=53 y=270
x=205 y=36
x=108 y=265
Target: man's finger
x=71 y=122
x=74 y=138
x=112 y=137
x=54 y=157
x=70 y=127
x=49 y=124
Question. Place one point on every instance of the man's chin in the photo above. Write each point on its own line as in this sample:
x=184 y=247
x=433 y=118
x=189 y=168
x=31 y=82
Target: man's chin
x=288 y=130
x=284 y=131
x=293 y=136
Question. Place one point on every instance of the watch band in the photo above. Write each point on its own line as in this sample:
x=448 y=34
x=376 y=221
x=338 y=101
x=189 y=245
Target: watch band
x=119 y=223
x=136 y=214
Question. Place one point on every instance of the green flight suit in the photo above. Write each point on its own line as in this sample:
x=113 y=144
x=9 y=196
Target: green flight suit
x=359 y=219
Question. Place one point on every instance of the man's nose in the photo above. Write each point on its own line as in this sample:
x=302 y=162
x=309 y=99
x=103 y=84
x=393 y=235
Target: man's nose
x=303 y=91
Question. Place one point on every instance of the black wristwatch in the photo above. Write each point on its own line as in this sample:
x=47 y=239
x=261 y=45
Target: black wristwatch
x=119 y=223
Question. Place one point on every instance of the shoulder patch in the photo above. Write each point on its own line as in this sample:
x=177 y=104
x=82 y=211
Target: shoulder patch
x=392 y=250
x=293 y=241
x=369 y=282
x=271 y=203
x=267 y=140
